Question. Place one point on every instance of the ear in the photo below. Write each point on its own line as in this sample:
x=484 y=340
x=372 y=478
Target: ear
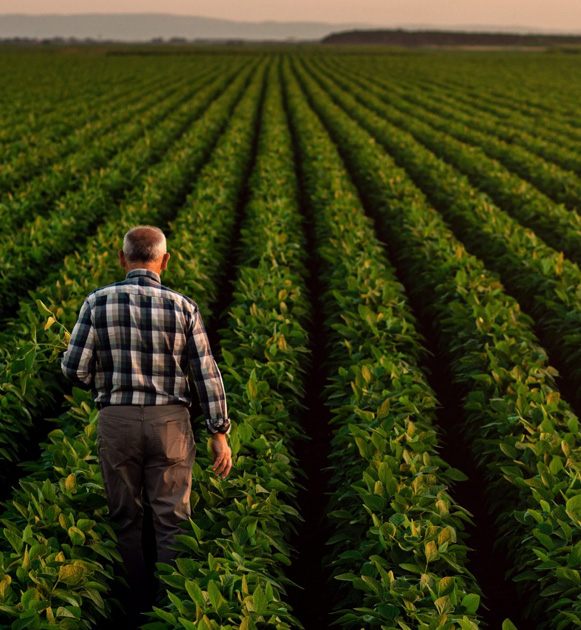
x=121 y=257
x=164 y=261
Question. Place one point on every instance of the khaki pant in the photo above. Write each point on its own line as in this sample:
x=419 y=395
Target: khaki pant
x=151 y=447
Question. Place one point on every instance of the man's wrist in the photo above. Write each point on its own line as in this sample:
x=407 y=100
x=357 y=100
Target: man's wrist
x=221 y=425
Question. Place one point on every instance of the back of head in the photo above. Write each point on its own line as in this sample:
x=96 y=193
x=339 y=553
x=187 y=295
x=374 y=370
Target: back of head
x=145 y=244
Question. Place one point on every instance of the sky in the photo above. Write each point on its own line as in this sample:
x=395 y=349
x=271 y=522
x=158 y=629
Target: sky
x=541 y=14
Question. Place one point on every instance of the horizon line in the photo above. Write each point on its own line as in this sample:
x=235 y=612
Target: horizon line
x=367 y=26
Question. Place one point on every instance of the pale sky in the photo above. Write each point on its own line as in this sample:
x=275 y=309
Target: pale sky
x=545 y=14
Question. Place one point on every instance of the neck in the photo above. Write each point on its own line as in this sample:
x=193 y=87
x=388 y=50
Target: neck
x=149 y=266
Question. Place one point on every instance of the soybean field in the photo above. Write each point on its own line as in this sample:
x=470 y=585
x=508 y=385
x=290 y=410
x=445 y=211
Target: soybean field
x=385 y=248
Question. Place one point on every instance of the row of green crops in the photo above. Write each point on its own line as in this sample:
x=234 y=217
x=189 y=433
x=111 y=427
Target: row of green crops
x=20 y=163
x=398 y=549
x=98 y=143
x=485 y=129
x=538 y=132
x=40 y=244
x=55 y=528
x=546 y=145
x=45 y=99
x=29 y=381
x=519 y=427
x=559 y=227
x=18 y=132
x=560 y=132
x=230 y=573
x=37 y=194
x=515 y=87
x=547 y=285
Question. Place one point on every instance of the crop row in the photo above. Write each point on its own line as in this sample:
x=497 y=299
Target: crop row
x=558 y=115
x=20 y=136
x=545 y=283
x=519 y=428
x=47 y=105
x=28 y=379
x=398 y=549
x=559 y=131
x=534 y=156
x=40 y=244
x=37 y=195
x=533 y=139
x=19 y=170
x=231 y=571
x=562 y=130
x=29 y=78
x=560 y=185
x=55 y=528
x=519 y=85
x=21 y=160
x=559 y=227
x=517 y=113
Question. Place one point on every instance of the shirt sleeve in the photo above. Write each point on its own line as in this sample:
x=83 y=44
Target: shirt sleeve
x=207 y=378
x=78 y=362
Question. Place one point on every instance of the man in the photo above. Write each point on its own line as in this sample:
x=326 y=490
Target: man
x=133 y=344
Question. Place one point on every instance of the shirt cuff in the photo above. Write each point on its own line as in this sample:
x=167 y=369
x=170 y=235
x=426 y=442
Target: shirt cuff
x=218 y=425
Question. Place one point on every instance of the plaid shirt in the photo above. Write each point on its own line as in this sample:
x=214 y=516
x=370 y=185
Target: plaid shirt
x=133 y=344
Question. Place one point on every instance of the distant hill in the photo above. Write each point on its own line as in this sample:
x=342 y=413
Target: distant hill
x=146 y=26
x=447 y=38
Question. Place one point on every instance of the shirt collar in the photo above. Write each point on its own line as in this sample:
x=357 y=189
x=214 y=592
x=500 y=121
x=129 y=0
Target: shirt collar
x=144 y=272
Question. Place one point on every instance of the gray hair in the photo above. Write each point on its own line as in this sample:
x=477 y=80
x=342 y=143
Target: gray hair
x=144 y=243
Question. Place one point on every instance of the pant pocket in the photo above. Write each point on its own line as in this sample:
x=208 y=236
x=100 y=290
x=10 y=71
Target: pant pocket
x=115 y=440
x=174 y=439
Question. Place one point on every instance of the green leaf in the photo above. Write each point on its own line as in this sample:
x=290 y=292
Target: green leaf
x=508 y=625
x=259 y=600
x=346 y=577
x=388 y=611
x=44 y=309
x=71 y=574
x=166 y=616
x=228 y=357
x=73 y=612
x=214 y=594
x=556 y=465
x=471 y=602
x=573 y=507
x=71 y=483
x=251 y=527
x=28 y=596
x=76 y=535
x=195 y=592
x=86 y=524
x=383 y=409
x=14 y=539
x=456 y=475
x=25 y=622
x=431 y=551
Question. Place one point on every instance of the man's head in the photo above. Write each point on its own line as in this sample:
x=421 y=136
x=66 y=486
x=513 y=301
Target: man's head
x=144 y=247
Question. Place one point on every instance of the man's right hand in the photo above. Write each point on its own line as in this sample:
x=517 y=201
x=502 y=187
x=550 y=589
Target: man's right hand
x=222 y=455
